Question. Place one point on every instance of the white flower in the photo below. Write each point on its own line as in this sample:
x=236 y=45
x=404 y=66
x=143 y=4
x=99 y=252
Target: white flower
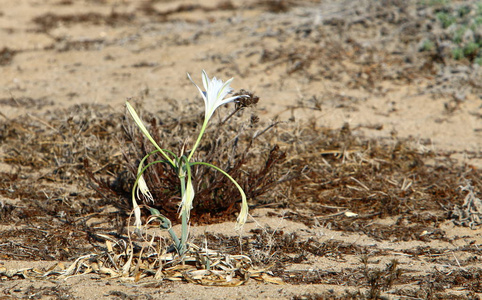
x=243 y=214
x=215 y=92
x=137 y=215
x=187 y=198
x=142 y=187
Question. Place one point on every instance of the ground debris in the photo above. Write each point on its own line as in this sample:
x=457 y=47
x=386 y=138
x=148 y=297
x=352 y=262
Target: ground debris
x=468 y=214
x=123 y=262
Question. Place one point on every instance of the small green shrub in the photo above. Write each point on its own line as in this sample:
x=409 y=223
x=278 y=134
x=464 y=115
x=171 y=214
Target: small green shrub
x=459 y=34
x=462 y=23
x=445 y=18
x=458 y=53
x=464 y=11
x=427 y=46
x=471 y=49
x=479 y=8
x=477 y=21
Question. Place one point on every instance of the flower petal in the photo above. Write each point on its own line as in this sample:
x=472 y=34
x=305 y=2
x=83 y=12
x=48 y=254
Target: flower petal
x=231 y=99
x=243 y=214
x=137 y=214
x=215 y=92
x=187 y=198
x=205 y=78
x=142 y=187
x=203 y=94
x=225 y=89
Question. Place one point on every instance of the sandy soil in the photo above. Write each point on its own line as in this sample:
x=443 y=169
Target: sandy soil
x=332 y=62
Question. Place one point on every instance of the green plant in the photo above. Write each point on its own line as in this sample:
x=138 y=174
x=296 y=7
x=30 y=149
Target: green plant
x=471 y=49
x=434 y=2
x=445 y=18
x=477 y=21
x=458 y=53
x=182 y=164
x=464 y=11
x=459 y=34
x=427 y=45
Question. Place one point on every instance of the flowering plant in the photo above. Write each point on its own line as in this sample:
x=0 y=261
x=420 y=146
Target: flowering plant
x=215 y=91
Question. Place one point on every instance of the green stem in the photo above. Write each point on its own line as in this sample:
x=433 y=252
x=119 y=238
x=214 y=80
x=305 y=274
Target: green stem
x=182 y=247
x=224 y=173
x=139 y=173
x=166 y=224
x=203 y=129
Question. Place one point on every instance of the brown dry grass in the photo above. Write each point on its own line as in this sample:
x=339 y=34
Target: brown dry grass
x=375 y=215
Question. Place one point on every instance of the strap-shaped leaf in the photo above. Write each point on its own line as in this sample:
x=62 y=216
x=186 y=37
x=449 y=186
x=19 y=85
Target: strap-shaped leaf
x=143 y=128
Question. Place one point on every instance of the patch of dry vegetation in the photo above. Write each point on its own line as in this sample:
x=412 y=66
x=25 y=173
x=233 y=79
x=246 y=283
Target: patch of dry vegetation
x=322 y=175
x=69 y=173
